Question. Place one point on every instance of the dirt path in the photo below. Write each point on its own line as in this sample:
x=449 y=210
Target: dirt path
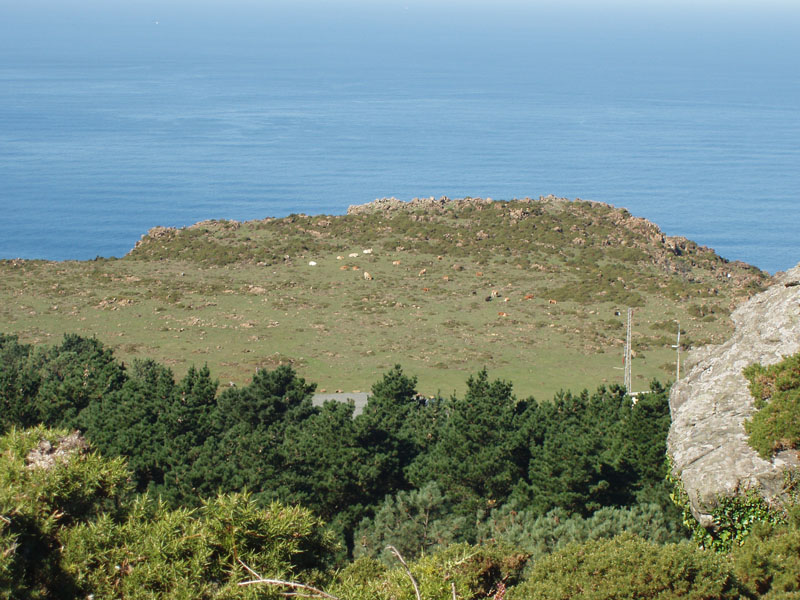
x=360 y=398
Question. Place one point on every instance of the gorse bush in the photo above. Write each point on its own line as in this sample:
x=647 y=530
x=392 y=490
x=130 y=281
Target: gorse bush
x=49 y=481
x=776 y=389
x=69 y=530
x=628 y=567
x=768 y=563
x=468 y=571
x=160 y=553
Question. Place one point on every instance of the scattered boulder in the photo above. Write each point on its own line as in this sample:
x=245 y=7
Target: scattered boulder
x=46 y=455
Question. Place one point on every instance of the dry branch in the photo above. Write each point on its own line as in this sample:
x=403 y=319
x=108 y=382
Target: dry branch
x=315 y=592
x=394 y=551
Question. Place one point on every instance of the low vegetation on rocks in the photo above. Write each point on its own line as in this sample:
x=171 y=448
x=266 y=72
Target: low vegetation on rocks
x=776 y=389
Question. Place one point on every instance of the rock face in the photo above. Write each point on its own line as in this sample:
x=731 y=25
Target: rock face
x=707 y=441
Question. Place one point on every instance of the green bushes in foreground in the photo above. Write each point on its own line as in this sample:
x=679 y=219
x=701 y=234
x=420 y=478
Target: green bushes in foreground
x=768 y=562
x=71 y=528
x=486 y=494
x=629 y=567
x=68 y=529
x=467 y=571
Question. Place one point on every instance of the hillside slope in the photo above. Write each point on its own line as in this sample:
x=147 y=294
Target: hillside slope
x=530 y=289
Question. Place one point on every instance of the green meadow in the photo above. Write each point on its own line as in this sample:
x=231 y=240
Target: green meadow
x=536 y=291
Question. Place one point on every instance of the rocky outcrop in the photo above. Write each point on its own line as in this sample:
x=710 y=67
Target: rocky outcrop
x=591 y=224
x=707 y=440
x=47 y=456
x=388 y=205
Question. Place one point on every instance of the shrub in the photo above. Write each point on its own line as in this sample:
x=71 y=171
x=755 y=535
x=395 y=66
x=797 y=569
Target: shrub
x=48 y=480
x=543 y=534
x=413 y=521
x=68 y=530
x=474 y=572
x=161 y=553
x=628 y=567
x=768 y=562
x=776 y=389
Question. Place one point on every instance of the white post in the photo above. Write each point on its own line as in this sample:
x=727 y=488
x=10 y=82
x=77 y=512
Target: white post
x=677 y=346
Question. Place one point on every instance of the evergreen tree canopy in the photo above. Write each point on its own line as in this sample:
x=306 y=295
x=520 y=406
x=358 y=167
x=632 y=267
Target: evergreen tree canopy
x=473 y=459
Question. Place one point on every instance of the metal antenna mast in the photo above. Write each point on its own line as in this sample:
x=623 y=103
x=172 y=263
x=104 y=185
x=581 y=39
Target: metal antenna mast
x=628 y=353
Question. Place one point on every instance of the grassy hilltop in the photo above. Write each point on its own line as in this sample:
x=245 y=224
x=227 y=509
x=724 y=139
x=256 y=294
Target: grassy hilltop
x=528 y=288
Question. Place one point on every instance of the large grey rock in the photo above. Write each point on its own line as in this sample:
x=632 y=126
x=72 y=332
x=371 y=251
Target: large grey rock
x=707 y=440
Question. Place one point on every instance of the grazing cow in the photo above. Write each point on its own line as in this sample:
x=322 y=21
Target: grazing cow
x=506 y=299
x=495 y=294
x=367 y=276
x=395 y=262
x=367 y=251
x=446 y=278
x=353 y=255
x=528 y=296
x=479 y=274
x=439 y=257
x=344 y=268
x=502 y=314
x=356 y=268
x=553 y=301
x=312 y=263
x=422 y=272
x=426 y=289
x=488 y=298
x=340 y=257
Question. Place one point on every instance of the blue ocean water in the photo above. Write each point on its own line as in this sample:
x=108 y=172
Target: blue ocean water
x=117 y=119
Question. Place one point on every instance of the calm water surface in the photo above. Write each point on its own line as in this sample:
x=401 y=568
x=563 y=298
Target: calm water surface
x=115 y=120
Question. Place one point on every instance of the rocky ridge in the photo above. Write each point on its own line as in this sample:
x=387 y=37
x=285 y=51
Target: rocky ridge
x=671 y=254
x=707 y=441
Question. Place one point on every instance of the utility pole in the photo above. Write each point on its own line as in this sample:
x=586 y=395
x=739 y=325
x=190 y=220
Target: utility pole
x=628 y=381
x=677 y=346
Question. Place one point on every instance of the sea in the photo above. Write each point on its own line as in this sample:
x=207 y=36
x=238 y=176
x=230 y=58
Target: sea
x=118 y=117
